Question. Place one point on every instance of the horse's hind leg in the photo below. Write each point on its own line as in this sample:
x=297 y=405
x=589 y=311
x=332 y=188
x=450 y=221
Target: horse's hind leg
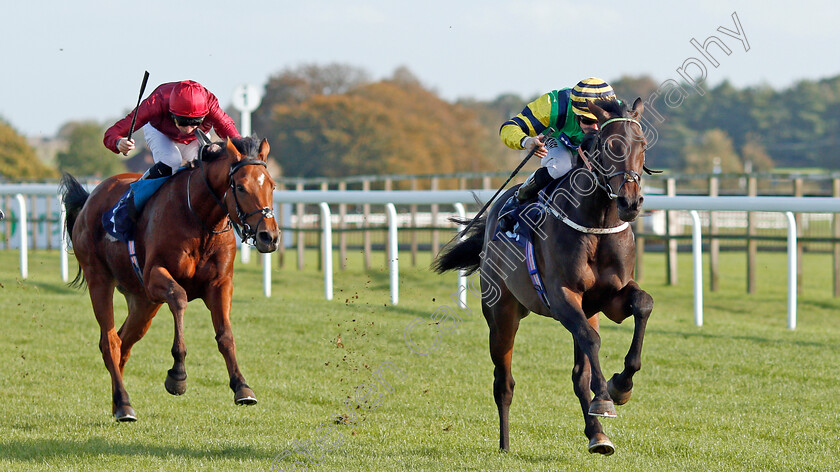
x=161 y=286
x=141 y=311
x=631 y=300
x=219 y=303
x=102 y=298
x=503 y=320
x=582 y=381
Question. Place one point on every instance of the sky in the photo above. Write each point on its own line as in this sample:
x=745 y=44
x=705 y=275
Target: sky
x=84 y=59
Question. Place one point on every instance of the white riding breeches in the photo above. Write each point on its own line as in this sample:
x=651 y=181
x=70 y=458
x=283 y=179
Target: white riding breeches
x=167 y=151
x=559 y=159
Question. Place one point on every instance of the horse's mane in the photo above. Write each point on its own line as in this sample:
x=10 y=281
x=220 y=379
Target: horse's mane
x=248 y=146
x=616 y=108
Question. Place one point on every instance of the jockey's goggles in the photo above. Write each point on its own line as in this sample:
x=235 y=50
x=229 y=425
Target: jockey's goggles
x=188 y=120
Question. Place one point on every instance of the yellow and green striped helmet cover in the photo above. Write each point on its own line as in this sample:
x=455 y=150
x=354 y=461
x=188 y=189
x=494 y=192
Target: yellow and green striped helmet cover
x=592 y=88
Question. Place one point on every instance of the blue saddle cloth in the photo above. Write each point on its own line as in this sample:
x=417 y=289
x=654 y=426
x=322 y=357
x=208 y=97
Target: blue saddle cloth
x=117 y=221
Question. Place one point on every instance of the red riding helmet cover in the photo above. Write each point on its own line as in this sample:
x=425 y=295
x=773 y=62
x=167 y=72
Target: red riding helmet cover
x=188 y=98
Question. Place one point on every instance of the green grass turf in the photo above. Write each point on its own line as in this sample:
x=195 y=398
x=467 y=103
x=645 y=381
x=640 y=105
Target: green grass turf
x=740 y=393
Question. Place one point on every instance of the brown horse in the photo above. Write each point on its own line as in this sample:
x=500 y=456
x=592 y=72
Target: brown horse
x=185 y=250
x=585 y=252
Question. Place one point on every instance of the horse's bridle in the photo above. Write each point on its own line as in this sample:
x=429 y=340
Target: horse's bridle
x=603 y=180
x=246 y=232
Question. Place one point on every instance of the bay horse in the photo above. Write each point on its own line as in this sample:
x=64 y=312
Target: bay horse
x=185 y=250
x=585 y=252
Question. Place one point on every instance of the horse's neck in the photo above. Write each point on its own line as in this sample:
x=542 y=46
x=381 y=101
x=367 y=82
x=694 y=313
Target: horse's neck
x=592 y=209
x=202 y=193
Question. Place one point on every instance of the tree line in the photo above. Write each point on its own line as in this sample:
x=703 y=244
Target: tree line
x=333 y=121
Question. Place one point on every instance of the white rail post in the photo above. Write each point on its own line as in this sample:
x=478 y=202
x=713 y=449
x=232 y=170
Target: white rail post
x=391 y=210
x=24 y=236
x=697 y=252
x=62 y=218
x=326 y=249
x=791 y=318
x=462 y=278
x=245 y=252
x=266 y=260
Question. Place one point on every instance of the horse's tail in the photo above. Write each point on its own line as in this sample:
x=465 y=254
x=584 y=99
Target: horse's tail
x=463 y=254
x=74 y=196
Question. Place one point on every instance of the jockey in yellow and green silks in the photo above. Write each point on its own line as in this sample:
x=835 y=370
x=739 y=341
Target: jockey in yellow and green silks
x=553 y=126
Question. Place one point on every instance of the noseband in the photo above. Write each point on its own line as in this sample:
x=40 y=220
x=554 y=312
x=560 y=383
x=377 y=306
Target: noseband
x=604 y=179
x=246 y=232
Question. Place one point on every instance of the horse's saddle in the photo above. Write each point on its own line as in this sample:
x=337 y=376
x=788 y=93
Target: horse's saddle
x=119 y=221
x=525 y=216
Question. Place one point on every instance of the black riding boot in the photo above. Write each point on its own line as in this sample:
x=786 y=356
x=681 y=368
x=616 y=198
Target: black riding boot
x=156 y=171
x=527 y=191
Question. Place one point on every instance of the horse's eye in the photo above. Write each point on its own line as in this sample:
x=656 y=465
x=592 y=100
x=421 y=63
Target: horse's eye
x=240 y=187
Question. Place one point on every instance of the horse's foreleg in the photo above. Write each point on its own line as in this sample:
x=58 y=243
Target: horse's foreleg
x=162 y=287
x=631 y=300
x=219 y=303
x=102 y=299
x=582 y=382
x=568 y=311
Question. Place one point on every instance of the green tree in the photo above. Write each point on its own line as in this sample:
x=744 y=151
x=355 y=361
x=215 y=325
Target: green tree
x=714 y=148
x=295 y=85
x=390 y=126
x=491 y=115
x=753 y=152
x=629 y=88
x=85 y=154
x=18 y=160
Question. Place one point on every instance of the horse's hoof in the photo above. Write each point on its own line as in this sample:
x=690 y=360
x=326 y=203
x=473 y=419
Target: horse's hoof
x=245 y=396
x=601 y=444
x=618 y=396
x=125 y=414
x=604 y=408
x=174 y=386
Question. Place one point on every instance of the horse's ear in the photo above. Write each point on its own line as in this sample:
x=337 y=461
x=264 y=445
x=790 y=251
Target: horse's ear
x=231 y=149
x=638 y=108
x=264 y=149
x=598 y=111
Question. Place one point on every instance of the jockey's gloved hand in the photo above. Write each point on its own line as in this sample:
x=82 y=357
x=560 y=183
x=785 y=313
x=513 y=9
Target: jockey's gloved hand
x=538 y=142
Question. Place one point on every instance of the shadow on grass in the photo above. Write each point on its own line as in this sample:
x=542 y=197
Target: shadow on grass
x=734 y=337
x=61 y=288
x=41 y=449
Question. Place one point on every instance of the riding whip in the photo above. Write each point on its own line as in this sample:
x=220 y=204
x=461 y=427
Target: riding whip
x=515 y=171
x=134 y=118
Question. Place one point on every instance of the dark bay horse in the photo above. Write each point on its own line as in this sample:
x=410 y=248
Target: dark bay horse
x=185 y=250
x=585 y=252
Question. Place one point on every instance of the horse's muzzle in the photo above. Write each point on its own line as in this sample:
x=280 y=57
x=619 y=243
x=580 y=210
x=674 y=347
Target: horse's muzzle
x=266 y=240
x=629 y=208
